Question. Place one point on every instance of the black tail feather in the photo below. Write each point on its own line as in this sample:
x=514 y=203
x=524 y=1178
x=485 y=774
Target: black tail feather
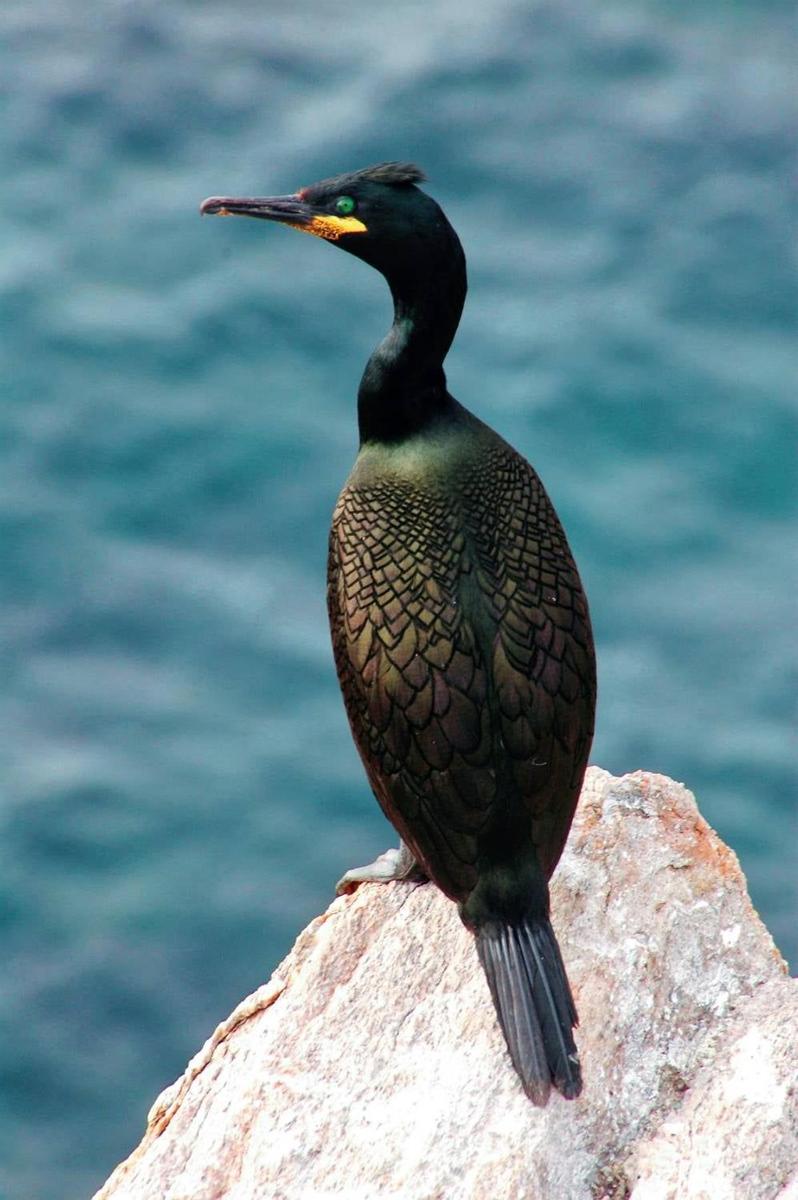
x=534 y=1004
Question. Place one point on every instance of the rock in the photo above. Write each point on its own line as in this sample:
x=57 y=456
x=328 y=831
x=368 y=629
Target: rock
x=737 y=1130
x=371 y=1064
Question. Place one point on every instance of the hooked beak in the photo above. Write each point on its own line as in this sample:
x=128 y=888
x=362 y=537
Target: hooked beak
x=287 y=210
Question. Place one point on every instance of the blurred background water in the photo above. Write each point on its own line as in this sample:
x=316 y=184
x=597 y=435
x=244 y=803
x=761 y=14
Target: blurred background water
x=179 y=791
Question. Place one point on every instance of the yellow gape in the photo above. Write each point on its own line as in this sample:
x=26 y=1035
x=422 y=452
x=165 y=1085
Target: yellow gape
x=330 y=227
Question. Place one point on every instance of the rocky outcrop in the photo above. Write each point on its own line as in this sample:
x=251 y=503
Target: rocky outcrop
x=371 y=1065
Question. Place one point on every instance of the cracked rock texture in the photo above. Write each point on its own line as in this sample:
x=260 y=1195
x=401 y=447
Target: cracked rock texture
x=371 y=1065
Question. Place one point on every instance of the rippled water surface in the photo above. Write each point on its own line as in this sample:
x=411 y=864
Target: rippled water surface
x=179 y=789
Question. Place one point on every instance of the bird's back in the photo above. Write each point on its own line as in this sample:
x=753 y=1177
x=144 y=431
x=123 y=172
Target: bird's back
x=463 y=646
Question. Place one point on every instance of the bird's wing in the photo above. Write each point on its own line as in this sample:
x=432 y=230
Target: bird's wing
x=463 y=647
x=413 y=675
x=542 y=662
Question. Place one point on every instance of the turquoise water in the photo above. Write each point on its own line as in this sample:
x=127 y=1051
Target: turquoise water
x=179 y=790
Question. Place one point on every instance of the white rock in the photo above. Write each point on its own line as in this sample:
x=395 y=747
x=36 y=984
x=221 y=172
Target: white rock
x=371 y=1065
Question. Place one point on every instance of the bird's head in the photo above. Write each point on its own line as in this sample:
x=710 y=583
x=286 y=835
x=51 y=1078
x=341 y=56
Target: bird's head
x=377 y=214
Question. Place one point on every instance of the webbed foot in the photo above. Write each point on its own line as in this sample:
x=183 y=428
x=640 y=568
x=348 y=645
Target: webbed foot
x=393 y=864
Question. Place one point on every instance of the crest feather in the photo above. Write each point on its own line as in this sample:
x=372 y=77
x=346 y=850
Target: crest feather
x=396 y=174
x=391 y=172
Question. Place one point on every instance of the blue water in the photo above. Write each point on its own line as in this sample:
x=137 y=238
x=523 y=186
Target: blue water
x=179 y=791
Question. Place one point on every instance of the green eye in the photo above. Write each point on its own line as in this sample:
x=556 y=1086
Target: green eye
x=345 y=206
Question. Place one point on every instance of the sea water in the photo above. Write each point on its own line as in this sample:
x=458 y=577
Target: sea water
x=179 y=790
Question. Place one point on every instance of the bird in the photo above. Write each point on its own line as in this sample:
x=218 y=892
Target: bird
x=460 y=628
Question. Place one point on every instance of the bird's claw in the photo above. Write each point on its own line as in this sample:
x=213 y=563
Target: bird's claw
x=397 y=863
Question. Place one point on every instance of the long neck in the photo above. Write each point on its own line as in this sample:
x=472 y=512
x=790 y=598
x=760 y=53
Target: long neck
x=403 y=388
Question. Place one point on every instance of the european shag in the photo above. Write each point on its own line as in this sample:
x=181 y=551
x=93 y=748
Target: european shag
x=459 y=624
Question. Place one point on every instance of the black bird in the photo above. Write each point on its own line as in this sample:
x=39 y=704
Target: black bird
x=459 y=625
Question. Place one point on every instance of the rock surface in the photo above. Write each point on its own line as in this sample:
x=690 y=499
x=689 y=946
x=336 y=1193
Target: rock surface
x=371 y=1065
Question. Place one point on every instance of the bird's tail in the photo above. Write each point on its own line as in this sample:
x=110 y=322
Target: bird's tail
x=534 y=1004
